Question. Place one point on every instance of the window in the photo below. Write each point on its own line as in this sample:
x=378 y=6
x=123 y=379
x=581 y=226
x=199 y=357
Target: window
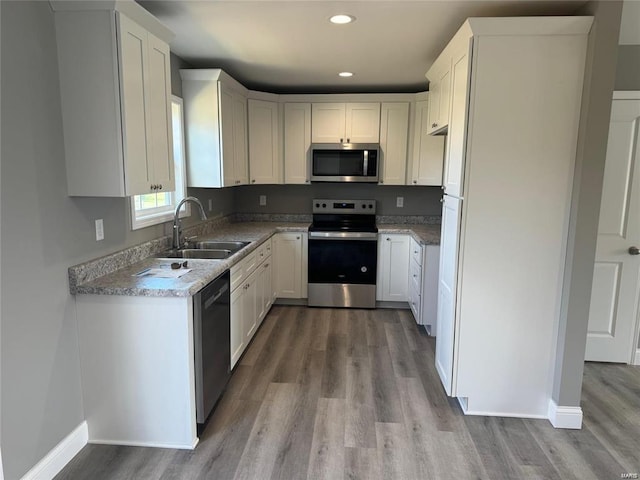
x=153 y=208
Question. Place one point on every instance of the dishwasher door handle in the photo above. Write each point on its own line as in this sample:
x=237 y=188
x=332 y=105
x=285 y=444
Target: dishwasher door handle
x=218 y=294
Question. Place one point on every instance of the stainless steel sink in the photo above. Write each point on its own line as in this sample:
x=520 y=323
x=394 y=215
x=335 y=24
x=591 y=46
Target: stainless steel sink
x=207 y=253
x=215 y=245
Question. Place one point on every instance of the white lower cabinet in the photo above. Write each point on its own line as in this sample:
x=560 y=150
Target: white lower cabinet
x=251 y=297
x=393 y=268
x=290 y=258
x=423 y=284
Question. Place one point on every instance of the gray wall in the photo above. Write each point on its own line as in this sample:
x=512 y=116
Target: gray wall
x=585 y=203
x=628 y=69
x=297 y=198
x=43 y=233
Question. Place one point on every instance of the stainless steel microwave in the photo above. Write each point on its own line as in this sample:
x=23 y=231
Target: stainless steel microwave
x=344 y=162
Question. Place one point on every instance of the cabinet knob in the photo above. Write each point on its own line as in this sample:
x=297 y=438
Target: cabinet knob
x=381 y=181
x=442 y=200
x=388 y=239
x=341 y=140
x=348 y=140
x=306 y=180
x=297 y=238
x=634 y=251
x=266 y=265
x=160 y=187
x=434 y=125
x=253 y=181
x=415 y=181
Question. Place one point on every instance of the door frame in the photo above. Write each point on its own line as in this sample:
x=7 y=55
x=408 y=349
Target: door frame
x=635 y=350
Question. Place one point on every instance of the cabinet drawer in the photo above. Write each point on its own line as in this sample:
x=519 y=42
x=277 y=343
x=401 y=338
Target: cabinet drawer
x=241 y=270
x=416 y=252
x=263 y=251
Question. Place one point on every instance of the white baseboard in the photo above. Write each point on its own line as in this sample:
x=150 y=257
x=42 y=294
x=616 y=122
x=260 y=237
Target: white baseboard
x=636 y=360
x=127 y=443
x=60 y=455
x=565 y=417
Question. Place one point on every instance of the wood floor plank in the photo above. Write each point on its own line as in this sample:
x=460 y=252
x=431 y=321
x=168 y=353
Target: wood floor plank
x=395 y=457
x=573 y=457
x=321 y=326
x=361 y=464
x=360 y=416
x=251 y=354
x=357 y=334
x=327 y=449
x=386 y=395
x=376 y=335
x=298 y=348
x=269 y=432
x=401 y=356
x=334 y=376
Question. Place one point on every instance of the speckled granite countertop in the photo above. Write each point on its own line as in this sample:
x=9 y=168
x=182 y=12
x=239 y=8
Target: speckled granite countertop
x=115 y=274
x=423 y=234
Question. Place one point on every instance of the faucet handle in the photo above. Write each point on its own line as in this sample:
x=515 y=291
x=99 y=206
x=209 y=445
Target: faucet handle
x=188 y=240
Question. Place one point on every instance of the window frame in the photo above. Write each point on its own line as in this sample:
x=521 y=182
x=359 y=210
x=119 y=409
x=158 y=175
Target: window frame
x=166 y=213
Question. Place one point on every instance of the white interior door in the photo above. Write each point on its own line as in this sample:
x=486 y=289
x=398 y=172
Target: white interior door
x=614 y=297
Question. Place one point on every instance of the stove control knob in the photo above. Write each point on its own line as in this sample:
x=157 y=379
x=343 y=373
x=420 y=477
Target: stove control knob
x=317 y=205
x=324 y=205
x=364 y=205
x=371 y=205
x=363 y=269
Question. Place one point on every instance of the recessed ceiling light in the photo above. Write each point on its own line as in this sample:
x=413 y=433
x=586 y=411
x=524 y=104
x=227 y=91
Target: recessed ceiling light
x=342 y=18
x=345 y=74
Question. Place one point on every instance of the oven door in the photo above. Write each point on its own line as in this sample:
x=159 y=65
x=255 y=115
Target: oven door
x=342 y=269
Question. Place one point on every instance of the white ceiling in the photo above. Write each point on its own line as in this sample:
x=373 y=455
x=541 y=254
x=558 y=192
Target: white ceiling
x=289 y=46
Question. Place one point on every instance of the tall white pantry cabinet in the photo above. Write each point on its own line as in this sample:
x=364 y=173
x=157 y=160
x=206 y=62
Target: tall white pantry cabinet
x=514 y=104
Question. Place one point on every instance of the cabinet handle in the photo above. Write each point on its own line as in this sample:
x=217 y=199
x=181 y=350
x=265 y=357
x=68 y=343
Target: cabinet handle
x=297 y=238
x=434 y=125
x=388 y=239
x=341 y=140
x=306 y=180
x=253 y=181
x=381 y=181
x=415 y=181
x=160 y=187
x=348 y=140
x=266 y=265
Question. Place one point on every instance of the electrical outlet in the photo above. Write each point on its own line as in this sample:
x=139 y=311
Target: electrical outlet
x=263 y=200
x=399 y=202
x=210 y=204
x=99 y=230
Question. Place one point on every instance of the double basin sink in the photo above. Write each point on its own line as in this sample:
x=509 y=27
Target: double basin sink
x=206 y=249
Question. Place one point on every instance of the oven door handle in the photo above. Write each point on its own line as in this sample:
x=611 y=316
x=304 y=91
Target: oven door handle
x=368 y=236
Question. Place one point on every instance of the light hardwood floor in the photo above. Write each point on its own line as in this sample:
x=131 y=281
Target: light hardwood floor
x=353 y=394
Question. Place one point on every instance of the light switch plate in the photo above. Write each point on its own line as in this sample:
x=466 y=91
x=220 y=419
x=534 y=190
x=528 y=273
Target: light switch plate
x=99 y=230
x=263 y=200
x=399 y=202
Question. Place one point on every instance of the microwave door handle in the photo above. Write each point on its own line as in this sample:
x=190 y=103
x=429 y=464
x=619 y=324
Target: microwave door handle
x=365 y=165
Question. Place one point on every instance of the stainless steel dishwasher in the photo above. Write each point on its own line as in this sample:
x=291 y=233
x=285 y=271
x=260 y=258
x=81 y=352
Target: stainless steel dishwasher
x=211 y=329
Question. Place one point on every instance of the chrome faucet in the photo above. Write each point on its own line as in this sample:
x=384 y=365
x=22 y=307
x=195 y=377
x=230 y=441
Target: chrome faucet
x=177 y=228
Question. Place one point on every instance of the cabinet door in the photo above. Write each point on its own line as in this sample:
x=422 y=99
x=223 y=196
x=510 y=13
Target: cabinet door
x=132 y=46
x=268 y=285
x=444 y=99
x=328 y=122
x=160 y=134
x=428 y=150
x=435 y=92
x=393 y=268
x=264 y=161
x=362 y=123
x=447 y=284
x=250 y=308
x=227 y=138
x=429 y=297
x=240 y=147
x=297 y=142
x=237 y=337
x=288 y=269
x=394 y=126
x=456 y=138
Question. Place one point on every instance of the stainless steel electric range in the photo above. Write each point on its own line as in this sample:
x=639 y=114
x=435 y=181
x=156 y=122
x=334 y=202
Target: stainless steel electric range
x=343 y=254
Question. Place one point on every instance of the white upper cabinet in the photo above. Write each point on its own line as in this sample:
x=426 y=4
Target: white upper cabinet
x=216 y=129
x=428 y=150
x=345 y=122
x=440 y=92
x=297 y=142
x=115 y=86
x=394 y=124
x=264 y=159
